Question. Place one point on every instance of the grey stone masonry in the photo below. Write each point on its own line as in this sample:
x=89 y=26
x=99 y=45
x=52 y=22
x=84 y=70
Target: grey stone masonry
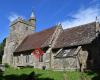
x=19 y=29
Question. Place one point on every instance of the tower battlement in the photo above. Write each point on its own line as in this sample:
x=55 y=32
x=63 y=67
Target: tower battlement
x=19 y=19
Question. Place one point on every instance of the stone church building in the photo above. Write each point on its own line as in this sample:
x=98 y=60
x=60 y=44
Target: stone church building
x=76 y=48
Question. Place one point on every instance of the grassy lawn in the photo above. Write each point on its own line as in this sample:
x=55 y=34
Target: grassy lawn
x=21 y=74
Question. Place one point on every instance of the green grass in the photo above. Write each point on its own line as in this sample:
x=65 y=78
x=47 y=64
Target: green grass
x=10 y=71
x=52 y=75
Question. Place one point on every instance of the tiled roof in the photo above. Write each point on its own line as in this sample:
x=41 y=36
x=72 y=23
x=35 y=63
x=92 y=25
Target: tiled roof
x=75 y=36
x=79 y=35
x=35 y=40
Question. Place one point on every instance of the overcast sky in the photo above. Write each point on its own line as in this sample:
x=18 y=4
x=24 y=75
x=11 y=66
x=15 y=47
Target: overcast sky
x=48 y=13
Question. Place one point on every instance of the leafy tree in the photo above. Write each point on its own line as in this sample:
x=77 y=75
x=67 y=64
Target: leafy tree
x=2 y=44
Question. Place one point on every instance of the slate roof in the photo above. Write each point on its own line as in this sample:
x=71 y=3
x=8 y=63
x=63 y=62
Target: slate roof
x=79 y=35
x=35 y=40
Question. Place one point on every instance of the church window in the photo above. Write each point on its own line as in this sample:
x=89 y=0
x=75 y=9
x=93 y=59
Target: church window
x=41 y=58
x=17 y=59
x=27 y=58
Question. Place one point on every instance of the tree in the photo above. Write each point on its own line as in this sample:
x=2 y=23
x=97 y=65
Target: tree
x=2 y=44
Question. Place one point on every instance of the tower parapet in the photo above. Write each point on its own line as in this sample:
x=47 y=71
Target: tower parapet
x=19 y=19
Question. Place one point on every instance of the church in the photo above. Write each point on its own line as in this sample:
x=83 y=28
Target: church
x=76 y=48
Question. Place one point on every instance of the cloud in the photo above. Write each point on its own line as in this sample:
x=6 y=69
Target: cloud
x=82 y=16
x=13 y=17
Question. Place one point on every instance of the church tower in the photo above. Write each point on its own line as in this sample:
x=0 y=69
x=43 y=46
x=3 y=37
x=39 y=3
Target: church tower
x=19 y=29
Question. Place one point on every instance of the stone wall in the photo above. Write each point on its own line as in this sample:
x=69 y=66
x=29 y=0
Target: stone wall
x=65 y=63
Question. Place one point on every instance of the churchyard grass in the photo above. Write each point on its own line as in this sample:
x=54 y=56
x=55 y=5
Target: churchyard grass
x=46 y=74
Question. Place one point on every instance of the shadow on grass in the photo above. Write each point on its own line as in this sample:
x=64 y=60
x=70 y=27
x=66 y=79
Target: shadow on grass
x=97 y=76
x=95 y=73
x=31 y=76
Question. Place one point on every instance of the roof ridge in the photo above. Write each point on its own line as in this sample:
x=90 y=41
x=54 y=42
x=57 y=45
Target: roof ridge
x=44 y=30
x=30 y=41
x=82 y=25
x=80 y=35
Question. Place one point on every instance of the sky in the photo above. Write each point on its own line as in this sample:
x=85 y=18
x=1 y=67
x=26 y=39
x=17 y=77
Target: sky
x=69 y=13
